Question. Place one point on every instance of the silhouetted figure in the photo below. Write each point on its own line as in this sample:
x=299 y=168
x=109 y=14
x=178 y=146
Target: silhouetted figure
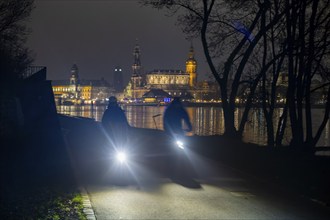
x=174 y=116
x=114 y=121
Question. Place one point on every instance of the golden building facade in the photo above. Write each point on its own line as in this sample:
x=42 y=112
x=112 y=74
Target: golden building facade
x=167 y=79
x=174 y=82
x=76 y=90
x=191 y=68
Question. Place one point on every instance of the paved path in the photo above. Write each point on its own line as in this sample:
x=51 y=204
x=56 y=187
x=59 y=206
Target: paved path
x=214 y=191
x=217 y=192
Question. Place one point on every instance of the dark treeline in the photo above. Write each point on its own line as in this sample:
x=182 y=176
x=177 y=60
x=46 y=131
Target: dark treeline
x=252 y=47
x=14 y=55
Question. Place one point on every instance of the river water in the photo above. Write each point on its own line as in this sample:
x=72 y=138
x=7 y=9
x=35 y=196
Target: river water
x=205 y=120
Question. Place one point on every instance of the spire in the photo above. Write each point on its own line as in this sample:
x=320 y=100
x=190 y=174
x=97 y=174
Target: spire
x=74 y=69
x=137 y=62
x=191 y=67
x=136 y=78
x=191 y=51
x=74 y=78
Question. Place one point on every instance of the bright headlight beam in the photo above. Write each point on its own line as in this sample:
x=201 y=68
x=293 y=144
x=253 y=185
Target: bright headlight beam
x=121 y=157
x=180 y=144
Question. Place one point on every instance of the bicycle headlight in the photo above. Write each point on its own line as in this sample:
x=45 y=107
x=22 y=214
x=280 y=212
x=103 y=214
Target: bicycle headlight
x=179 y=144
x=121 y=157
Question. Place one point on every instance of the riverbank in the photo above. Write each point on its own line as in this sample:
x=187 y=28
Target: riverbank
x=186 y=104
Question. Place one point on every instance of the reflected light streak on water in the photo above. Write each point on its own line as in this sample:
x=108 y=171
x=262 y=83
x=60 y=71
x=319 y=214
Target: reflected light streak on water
x=205 y=120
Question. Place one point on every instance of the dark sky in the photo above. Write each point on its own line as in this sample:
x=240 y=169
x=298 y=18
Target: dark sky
x=99 y=35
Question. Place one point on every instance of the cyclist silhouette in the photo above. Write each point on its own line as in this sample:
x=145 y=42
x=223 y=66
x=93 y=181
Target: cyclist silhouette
x=115 y=123
x=174 y=116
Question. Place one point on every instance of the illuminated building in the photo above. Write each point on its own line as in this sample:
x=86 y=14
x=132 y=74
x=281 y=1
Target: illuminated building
x=167 y=79
x=206 y=91
x=191 y=68
x=173 y=82
x=136 y=67
x=135 y=88
x=76 y=90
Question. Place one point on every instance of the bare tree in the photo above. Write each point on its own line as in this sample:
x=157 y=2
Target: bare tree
x=284 y=36
x=14 y=56
x=230 y=32
x=308 y=27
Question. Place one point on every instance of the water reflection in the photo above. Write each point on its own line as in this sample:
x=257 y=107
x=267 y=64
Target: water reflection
x=205 y=120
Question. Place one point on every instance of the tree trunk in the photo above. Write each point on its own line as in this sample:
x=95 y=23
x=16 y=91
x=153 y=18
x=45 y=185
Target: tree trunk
x=324 y=121
x=281 y=126
x=291 y=19
x=308 y=73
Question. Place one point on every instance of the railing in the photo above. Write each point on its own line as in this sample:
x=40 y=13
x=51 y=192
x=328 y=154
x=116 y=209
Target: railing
x=31 y=70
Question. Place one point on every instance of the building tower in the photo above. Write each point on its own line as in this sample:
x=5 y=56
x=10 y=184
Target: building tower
x=137 y=62
x=191 y=67
x=118 y=79
x=74 y=81
x=74 y=75
x=136 y=78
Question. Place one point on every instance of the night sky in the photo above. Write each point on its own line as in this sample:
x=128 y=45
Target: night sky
x=99 y=35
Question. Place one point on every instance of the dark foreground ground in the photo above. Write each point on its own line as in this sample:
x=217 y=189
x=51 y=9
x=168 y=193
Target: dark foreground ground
x=36 y=179
x=301 y=173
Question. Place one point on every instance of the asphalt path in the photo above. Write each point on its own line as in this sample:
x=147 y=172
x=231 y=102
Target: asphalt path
x=173 y=188
x=212 y=191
